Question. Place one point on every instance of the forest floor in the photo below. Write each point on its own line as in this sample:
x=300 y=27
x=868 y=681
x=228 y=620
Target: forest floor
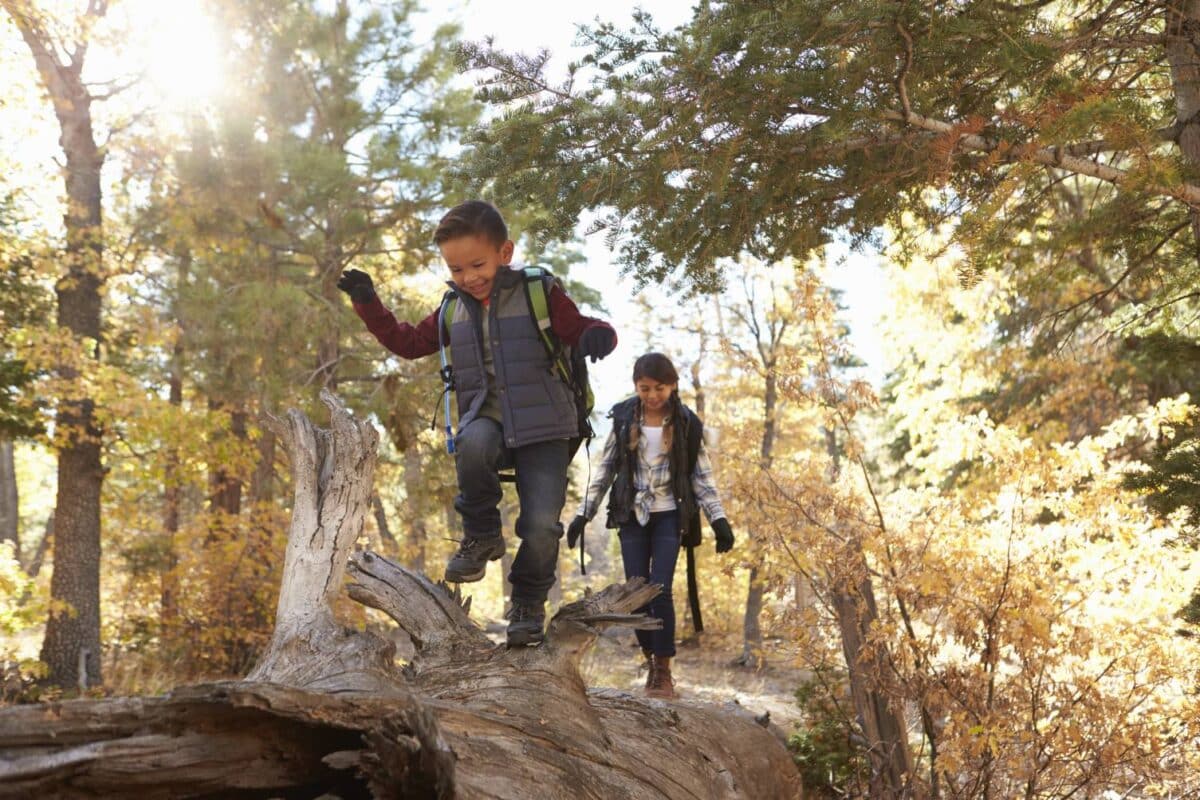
x=706 y=671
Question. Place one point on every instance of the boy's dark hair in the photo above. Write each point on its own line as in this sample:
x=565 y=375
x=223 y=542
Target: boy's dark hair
x=472 y=218
x=655 y=366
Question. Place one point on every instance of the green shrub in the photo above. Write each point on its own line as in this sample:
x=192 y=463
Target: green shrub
x=822 y=746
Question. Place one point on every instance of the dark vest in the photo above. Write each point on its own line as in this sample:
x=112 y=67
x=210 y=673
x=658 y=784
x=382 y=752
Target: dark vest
x=535 y=404
x=686 y=436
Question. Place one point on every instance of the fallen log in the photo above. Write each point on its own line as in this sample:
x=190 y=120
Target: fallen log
x=328 y=712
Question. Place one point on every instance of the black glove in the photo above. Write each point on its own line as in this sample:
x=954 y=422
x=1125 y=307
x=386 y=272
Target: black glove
x=597 y=341
x=724 y=534
x=357 y=284
x=575 y=530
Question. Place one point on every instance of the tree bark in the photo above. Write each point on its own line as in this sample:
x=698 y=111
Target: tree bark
x=262 y=483
x=172 y=490
x=386 y=536
x=34 y=564
x=329 y=268
x=10 y=508
x=881 y=720
x=73 y=638
x=327 y=711
x=224 y=487
x=1183 y=55
x=752 y=641
x=413 y=490
x=753 y=654
x=892 y=768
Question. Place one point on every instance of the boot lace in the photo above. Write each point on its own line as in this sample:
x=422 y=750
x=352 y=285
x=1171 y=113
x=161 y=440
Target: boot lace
x=520 y=613
x=471 y=544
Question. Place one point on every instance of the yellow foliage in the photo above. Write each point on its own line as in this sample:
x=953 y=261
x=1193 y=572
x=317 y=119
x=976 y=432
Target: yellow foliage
x=1028 y=614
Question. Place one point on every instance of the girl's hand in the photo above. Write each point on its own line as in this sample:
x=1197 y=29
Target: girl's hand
x=724 y=534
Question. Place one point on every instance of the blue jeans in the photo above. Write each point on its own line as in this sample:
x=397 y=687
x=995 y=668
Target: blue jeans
x=541 y=489
x=650 y=552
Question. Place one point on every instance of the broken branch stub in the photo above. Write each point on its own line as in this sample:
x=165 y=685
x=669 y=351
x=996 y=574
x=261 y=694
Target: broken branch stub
x=332 y=471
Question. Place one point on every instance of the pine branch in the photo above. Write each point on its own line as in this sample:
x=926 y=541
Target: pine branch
x=1049 y=156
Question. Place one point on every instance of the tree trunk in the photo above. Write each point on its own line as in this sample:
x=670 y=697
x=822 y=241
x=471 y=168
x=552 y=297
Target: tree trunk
x=73 y=638
x=413 y=491
x=9 y=499
x=225 y=488
x=329 y=347
x=881 y=720
x=892 y=768
x=327 y=711
x=1183 y=54
x=262 y=483
x=753 y=654
x=34 y=565
x=172 y=490
x=386 y=536
x=752 y=641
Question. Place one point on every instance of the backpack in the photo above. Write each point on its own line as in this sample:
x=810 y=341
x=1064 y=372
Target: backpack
x=568 y=362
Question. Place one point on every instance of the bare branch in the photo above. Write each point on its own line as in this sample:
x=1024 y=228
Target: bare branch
x=901 y=86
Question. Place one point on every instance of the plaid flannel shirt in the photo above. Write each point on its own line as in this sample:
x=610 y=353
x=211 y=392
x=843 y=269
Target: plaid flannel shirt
x=651 y=481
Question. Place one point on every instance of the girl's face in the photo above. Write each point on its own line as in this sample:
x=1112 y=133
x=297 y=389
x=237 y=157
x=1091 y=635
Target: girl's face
x=654 y=394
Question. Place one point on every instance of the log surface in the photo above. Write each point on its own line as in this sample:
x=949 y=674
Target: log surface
x=329 y=711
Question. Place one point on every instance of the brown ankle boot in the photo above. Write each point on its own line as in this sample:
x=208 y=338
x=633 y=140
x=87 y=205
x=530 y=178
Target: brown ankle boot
x=661 y=684
x=649 y=668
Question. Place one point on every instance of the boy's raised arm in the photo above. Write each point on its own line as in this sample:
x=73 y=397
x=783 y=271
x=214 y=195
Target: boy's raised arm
x=403 y=339
x=594 y=337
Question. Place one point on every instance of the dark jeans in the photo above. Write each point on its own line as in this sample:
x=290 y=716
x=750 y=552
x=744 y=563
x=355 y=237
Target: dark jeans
x=541 y=489
x=650 y=552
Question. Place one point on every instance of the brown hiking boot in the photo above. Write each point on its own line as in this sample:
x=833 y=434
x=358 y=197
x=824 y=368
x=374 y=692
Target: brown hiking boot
x=649 y=668
x=661 y=684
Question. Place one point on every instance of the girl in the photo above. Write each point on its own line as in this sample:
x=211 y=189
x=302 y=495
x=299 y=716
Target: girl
x=654 y=460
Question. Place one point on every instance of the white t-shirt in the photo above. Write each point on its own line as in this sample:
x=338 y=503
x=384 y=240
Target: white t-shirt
x=655 y=454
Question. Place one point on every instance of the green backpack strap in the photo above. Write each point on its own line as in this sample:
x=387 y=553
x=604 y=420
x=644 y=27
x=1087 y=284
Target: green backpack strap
x=445 y=317
x=539 y=307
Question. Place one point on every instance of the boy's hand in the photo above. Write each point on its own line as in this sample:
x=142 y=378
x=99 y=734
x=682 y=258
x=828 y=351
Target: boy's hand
x=724 y=534
x=575 y=530
x=358 y=285
x=597 y=342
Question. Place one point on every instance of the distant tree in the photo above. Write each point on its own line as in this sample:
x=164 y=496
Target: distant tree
x=71 y=648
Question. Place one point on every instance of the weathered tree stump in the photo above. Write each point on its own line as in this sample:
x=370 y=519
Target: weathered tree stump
x=327 y=712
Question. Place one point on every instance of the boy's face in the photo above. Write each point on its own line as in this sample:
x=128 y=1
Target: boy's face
x=474 y=261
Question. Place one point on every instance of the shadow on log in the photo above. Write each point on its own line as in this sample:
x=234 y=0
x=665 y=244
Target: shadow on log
x=327 y=711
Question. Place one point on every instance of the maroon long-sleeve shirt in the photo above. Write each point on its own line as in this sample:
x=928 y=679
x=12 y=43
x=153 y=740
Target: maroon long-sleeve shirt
x=414 y=341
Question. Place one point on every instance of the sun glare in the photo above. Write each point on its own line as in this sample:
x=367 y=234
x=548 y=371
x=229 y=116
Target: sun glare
x=183 y=53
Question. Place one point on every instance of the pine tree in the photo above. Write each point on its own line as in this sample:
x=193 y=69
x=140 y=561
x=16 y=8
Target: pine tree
x=71 y=648
x=766 y=128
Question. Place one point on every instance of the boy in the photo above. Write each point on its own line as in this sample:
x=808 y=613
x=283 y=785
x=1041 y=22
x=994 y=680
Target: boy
x=513 y=408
